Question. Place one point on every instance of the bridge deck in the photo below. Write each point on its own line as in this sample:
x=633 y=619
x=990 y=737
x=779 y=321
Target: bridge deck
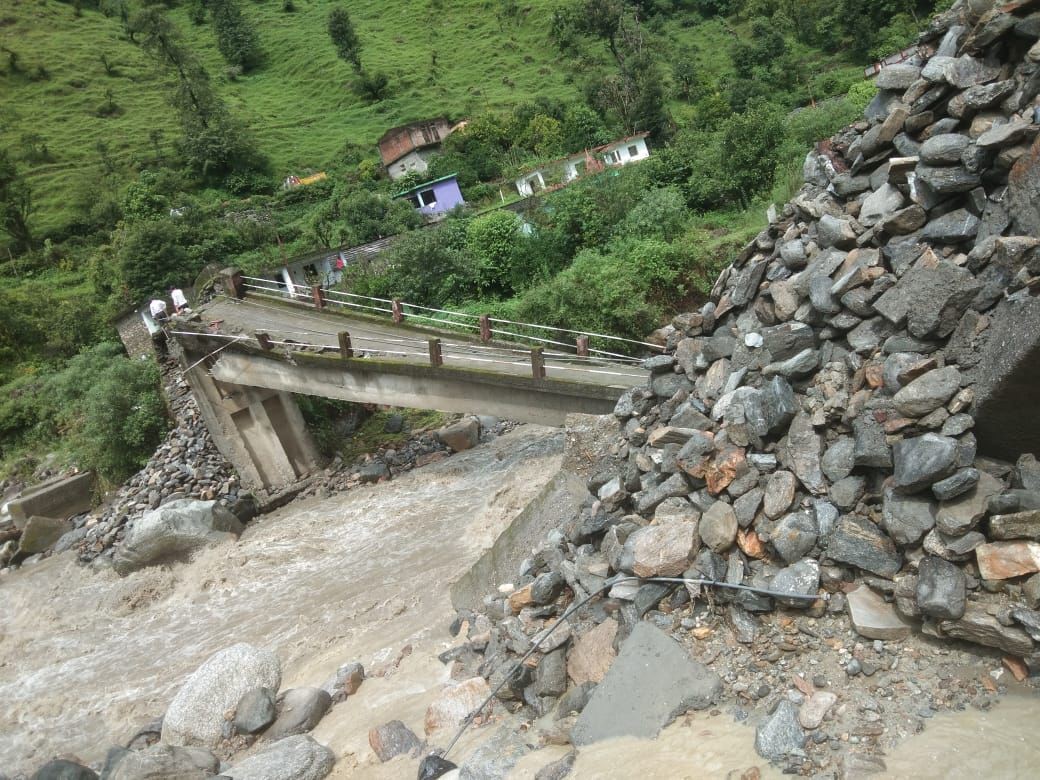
x=389 y=341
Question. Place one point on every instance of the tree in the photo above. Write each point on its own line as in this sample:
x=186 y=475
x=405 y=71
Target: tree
x=345 y=38
x=215 y=143
x=236 y=36
x=16 y=202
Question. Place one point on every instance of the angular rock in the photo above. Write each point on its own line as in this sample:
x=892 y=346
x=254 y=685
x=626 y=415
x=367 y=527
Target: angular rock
x=173 y=532
x=803 y=454
x=928 y=392
x=815 y=709
x=957 y=485
x=771 y=409
x=980 y=627
x=787 y=340
x=795 y=535
x=953 y=228
x=922 y=461
x=779 y=734
x=858 y=542
x=939 y=181
x=944 y=149
x=798 y=579
x=941 y=589
x=661 y=550
x=1017 y=525
x=870 y=447
x=301 y=710
x=897 y=77
x=196 y=714
x=294 y=758
x=779 y=493
x=718 y=527
x=454 y=703
x=959 y=515
x=873 y=618
x=652 y=681
x=593 y=653
x=391 y=740
x=907 y=518
x=846 y=493
x=40 y=533
x=1004 y=560
x=838 y=461
x=463 y=435
x=496 y=756
x=880 y=205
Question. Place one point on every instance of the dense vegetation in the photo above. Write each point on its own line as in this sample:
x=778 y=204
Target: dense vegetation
x=151 y=141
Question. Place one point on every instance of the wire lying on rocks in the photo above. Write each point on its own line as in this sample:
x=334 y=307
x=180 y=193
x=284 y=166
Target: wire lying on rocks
x=610 y=583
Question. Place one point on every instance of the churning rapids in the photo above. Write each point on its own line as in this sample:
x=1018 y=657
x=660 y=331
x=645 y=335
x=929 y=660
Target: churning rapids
x=87 y=657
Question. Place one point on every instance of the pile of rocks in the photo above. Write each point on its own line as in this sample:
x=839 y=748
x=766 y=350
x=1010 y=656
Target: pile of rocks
x=228 y=718
x=186 y=465
x=421 y=448
x=812 y=425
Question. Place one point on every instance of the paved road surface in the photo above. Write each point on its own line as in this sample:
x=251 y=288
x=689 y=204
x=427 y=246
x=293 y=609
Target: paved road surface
x=390 y=342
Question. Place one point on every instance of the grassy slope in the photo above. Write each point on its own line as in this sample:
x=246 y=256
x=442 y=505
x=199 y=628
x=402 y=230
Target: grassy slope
x=298 y=102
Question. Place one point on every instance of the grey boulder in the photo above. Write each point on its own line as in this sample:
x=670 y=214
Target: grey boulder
x=294 y=758
x=196 y=714
x=165 y=762
x=173 y=532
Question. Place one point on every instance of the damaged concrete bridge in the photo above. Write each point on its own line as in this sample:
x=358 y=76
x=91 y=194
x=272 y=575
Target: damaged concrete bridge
x=248 y=351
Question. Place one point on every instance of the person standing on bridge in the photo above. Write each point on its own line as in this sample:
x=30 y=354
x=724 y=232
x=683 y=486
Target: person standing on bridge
x=180 y=302
x=157 y=308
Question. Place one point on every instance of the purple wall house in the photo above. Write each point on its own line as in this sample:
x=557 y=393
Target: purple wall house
x=435 y=197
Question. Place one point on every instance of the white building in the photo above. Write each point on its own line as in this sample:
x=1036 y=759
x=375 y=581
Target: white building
x=567 y=169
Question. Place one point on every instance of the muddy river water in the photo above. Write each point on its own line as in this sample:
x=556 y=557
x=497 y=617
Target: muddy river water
x=86 y=657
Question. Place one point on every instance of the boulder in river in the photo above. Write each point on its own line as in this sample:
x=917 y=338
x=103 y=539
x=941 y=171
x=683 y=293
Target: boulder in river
x=173 y=532
x=196 y=714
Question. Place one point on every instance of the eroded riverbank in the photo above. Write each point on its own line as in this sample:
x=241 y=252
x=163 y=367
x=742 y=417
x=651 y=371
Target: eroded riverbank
x=86 y=657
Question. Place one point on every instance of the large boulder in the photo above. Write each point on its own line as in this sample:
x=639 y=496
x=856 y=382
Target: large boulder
x=294 y=758
x=173 y=532
x=165 y=762
x=463 y=435
x=196 y=714
x=42 y=532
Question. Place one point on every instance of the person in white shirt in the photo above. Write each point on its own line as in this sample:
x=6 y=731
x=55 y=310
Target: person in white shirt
x=157 y=308
x=180 y=303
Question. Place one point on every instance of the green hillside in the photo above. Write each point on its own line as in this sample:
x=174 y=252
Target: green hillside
x=111 y=191
x=298 y=102
x=451 y=57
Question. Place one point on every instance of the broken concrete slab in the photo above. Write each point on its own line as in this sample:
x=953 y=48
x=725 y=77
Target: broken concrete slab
x=652 y=681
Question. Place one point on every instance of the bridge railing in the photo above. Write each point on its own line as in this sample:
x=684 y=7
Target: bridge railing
x=483 y=325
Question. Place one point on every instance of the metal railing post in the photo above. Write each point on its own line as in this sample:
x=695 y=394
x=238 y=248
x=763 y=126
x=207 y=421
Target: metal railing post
x=538 y=363
x=436 y=355
x=346 y=351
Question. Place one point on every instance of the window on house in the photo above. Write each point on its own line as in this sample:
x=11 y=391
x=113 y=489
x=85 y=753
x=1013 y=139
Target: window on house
x=579 y=168
x=633 y=151
x=610 y=158
x=414 y=200
x=427 y=198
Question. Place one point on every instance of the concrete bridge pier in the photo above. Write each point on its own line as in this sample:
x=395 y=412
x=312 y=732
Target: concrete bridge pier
x=260 y=432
